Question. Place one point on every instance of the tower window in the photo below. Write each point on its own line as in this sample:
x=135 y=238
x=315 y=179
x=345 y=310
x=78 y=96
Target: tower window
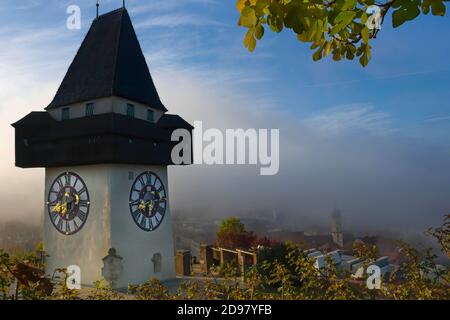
x=130 y=110
x=89 y=109
x=65 y=114
x=150 y=115
x=157 y=262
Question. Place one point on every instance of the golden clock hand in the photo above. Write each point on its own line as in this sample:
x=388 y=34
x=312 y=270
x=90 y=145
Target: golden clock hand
x=60 y=208
x=64 y=209
x=157 y=194
x=57 y=208
x=77 y=199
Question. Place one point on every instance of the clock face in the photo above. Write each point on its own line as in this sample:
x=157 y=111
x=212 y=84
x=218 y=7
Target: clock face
x=68 y=203
x=148 y=201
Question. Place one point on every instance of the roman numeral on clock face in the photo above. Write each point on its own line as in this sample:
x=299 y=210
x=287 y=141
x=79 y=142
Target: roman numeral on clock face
x=68 y=203
x=82 y=215
x=60 y=184
x=148 y=177
x=83 y=203
x=60 y=225
x=82 y=190
x=136 y=214
x=143 y=222
x=67 y=179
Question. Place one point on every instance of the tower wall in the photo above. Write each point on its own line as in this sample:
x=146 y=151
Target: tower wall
x=136 y=246
x=88 y=246
x=110 y=225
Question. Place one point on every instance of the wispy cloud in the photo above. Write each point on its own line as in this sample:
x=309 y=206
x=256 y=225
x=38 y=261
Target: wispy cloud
x=28 y=5
x=436 y=119
x=166 y=5
x=350 y=117
x=177 y=20
x=378 y=78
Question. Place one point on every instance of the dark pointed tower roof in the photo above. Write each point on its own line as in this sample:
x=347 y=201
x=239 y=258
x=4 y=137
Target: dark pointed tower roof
x=109 y=62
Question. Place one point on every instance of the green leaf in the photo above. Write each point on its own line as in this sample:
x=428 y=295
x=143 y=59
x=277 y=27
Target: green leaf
x=319 y=33
x=398 y=18
x=437 y=8
x=363 y=18
x=275 y=23
x=292 y=20
x=366 y=55
x=303 y=37
x=426 y=6
x=314 y=45
x=259 y=31
x=318 y=54
x=336 y=55
x=345 y=16
x=261 y=5
x=342 y=20
x=250 y=41
x=248 y=17
x=247 y=11
x=408 y=10
x=349 y=4
x=327 y=48
x=365 y=34
x=312 y=30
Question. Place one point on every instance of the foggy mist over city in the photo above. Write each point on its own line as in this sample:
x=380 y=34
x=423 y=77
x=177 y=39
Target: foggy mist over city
x=347 y=157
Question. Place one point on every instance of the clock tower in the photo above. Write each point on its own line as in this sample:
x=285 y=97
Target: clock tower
x=105 y=144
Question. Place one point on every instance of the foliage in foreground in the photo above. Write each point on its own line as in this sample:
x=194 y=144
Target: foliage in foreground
x=341 y=28
x=286 y=273
x=232 y=234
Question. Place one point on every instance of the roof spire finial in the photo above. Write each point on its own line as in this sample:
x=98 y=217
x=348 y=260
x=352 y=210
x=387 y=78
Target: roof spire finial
x=123 y=4
x=97 y=8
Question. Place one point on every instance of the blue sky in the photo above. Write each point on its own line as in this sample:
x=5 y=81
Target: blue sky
x=408 y=77
x=388 y=123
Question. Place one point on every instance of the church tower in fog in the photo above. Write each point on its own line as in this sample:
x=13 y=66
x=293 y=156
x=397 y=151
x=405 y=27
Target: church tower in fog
x=336 y=228
x=105 y=144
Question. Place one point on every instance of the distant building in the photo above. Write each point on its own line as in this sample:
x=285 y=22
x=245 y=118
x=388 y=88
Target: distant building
x=348 y=262
x=275 y=216
x=336 y=228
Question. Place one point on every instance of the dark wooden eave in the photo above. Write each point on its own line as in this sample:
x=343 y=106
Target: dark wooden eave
x=42 y=141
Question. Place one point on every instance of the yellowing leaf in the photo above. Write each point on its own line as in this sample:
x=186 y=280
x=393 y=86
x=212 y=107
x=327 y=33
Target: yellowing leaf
x=327 y=49
x=250 y=41
x=259 y=31
x=365 y=34
x=240 y=4
x=248 y=17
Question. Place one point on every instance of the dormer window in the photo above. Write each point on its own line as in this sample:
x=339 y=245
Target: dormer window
x=150 y=115
x=65 y=114
x=130 y=110
x=89 y=109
